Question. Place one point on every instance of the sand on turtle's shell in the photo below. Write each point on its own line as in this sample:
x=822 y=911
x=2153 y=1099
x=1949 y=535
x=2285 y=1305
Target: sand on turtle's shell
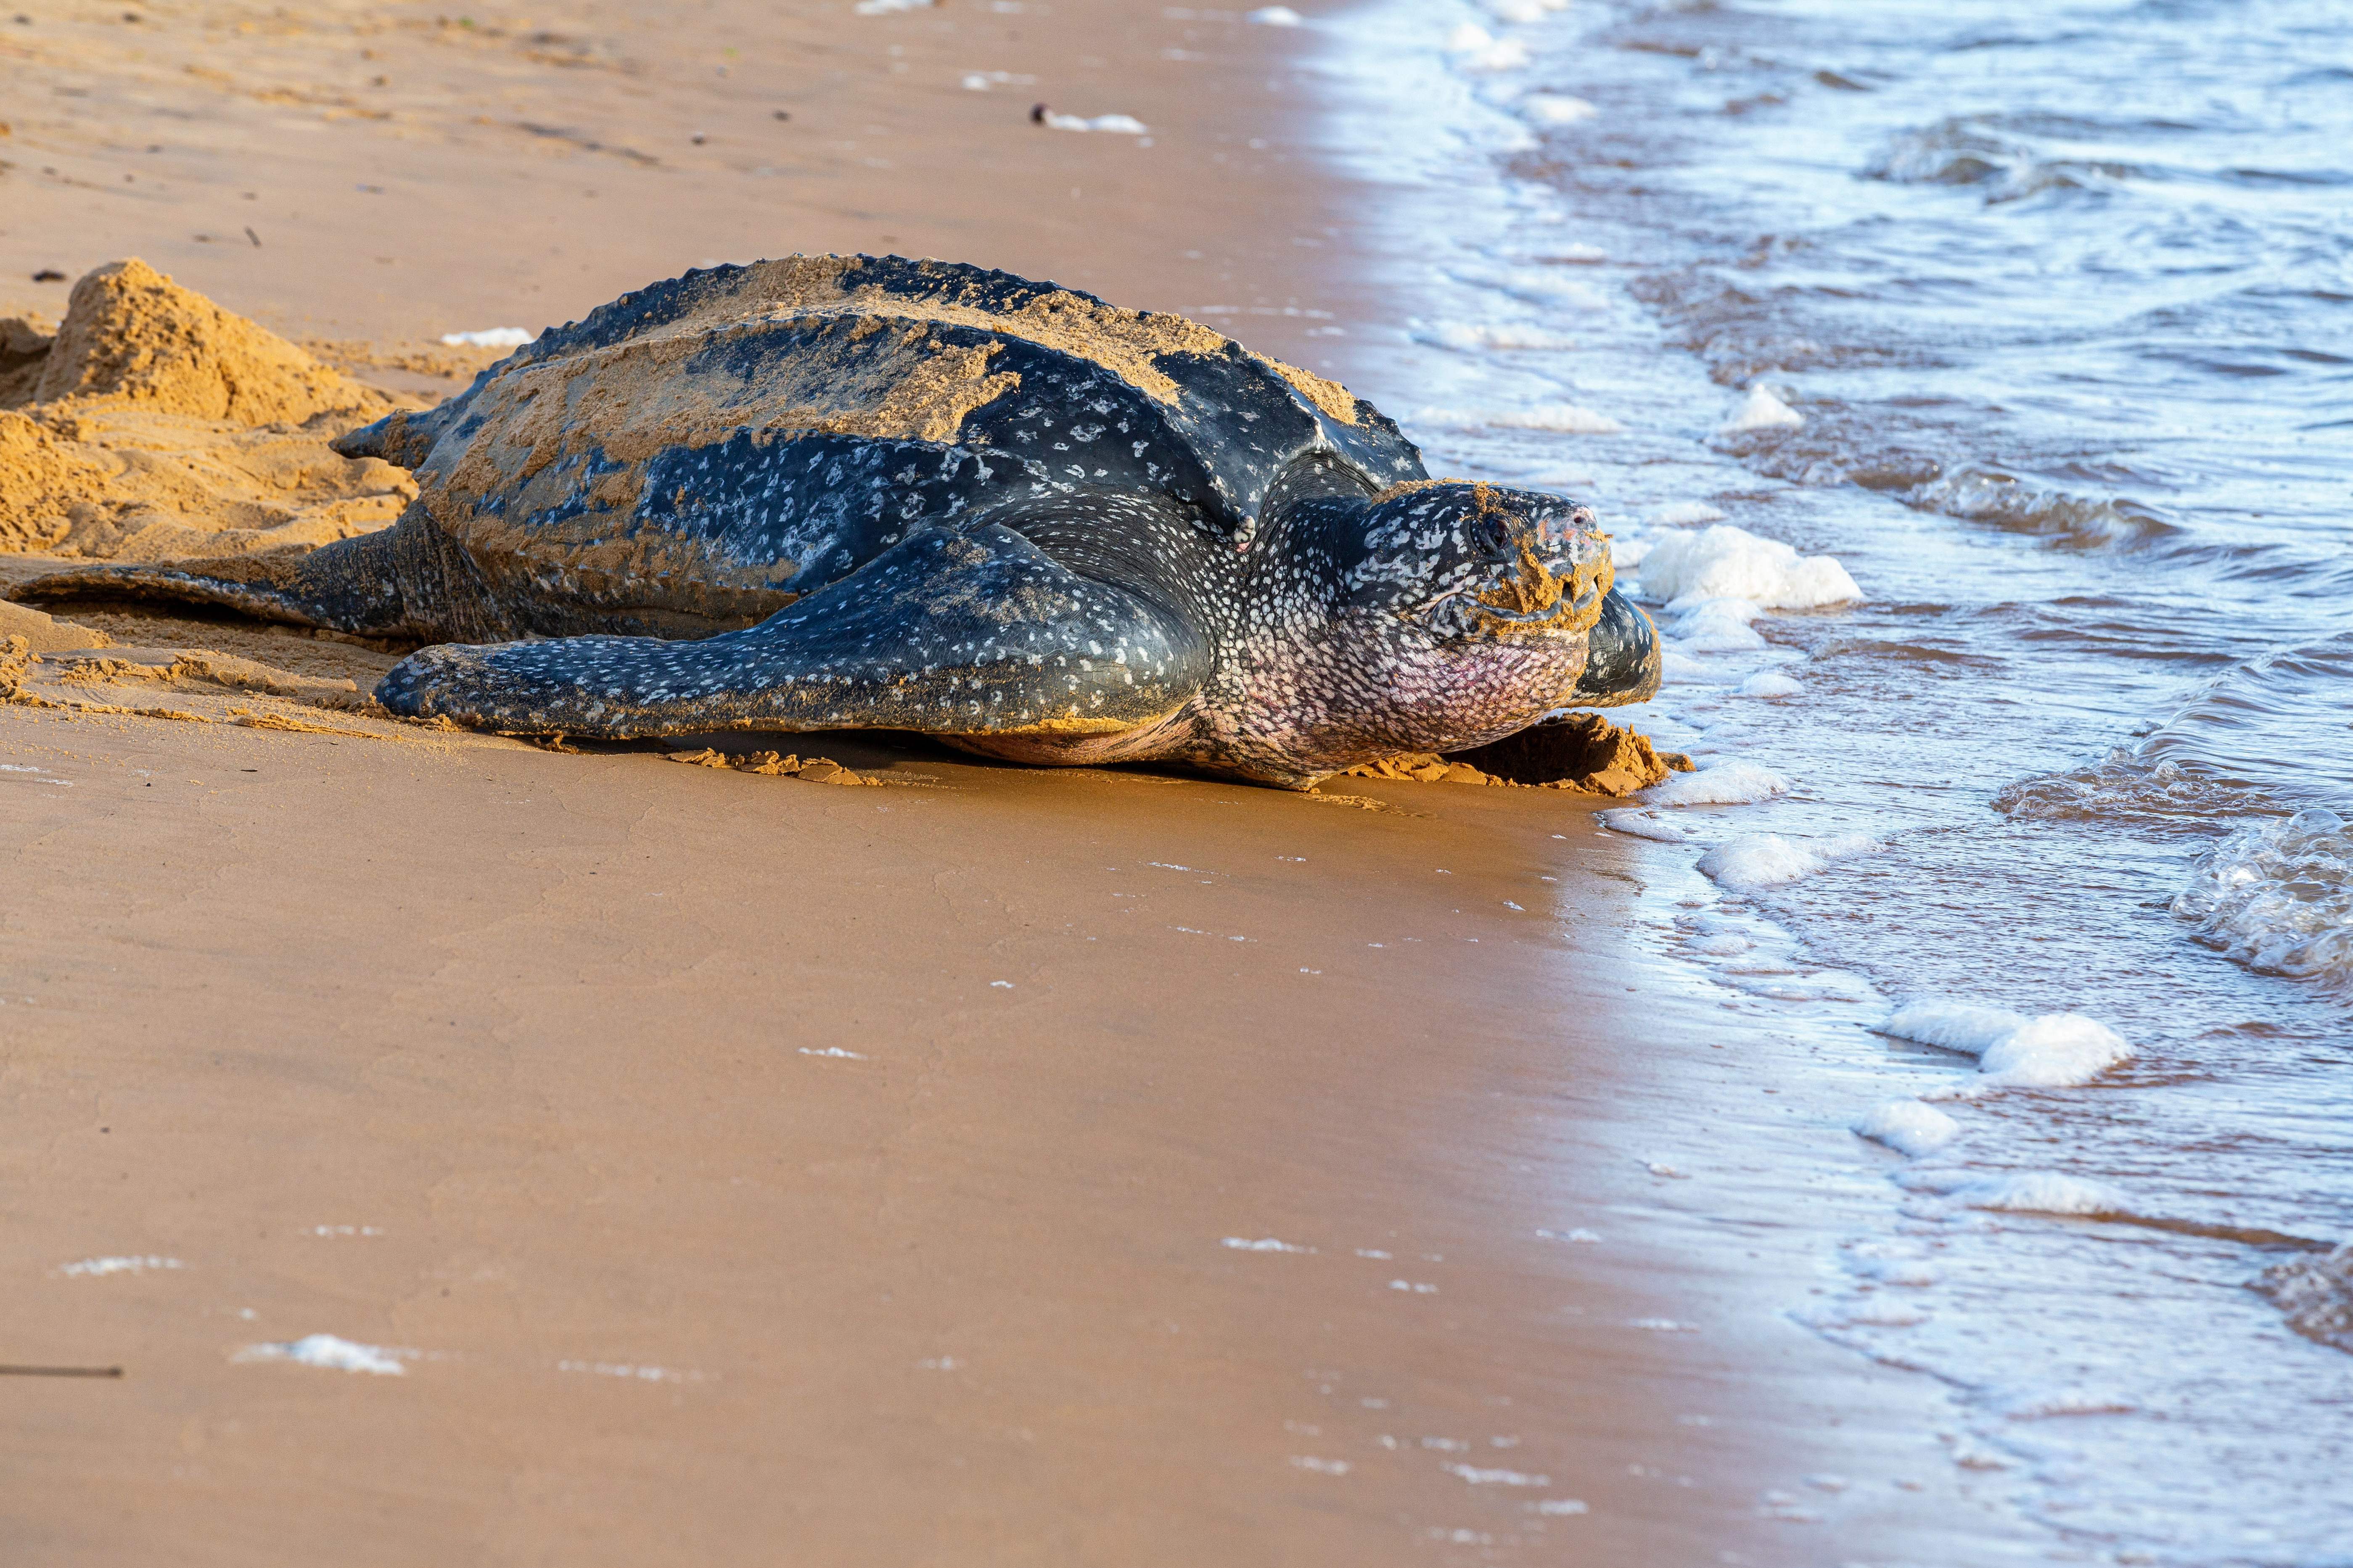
x=153 y=425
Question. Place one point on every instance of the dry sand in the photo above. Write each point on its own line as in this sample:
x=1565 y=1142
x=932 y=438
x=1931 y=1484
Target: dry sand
x=740 y=1169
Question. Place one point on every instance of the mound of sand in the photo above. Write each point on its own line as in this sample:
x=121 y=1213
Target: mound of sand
x=153 y=425
x=132 y=333
x=1581 y=751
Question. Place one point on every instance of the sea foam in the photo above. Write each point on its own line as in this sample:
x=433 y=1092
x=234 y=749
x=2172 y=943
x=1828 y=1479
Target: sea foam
x=1759 y=860
x=90 y=1267
x=1715 y=626
x=1475 y=49
x=327 y=1351
x=1114 y=124
x=1502 y=335
x=1769 y=683
x=1909 y=1127
x=1556 y=108
x=2057 y=1050
x=489 y=338
x=1728 y=783
x=2042 y=1192
x=1762 y=411
x=1726 y=561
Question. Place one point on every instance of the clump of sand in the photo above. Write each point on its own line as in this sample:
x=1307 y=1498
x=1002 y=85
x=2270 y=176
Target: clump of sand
x=1581 y=751
x=153 y=425
x=814 y=770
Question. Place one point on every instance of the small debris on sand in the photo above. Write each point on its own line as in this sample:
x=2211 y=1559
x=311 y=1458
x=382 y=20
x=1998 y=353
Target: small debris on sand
x=1581 y=751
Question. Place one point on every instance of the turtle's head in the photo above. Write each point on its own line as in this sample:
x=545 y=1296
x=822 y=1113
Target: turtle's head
x=1467 y=563
x=1476 y=609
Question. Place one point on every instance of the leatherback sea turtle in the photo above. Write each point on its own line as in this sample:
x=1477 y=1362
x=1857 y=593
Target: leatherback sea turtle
x=828 y=491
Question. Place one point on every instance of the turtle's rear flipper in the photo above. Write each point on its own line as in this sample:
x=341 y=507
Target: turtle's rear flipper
x=978 y=632
x=405 y=581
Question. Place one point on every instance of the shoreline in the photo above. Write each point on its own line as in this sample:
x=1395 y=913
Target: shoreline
x=562 y=1032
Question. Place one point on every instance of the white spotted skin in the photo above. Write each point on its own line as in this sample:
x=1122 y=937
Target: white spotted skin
x=1327 y=645
x=1109 y=628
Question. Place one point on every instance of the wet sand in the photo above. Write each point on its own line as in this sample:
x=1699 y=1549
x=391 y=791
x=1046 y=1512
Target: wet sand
x=765 y=1170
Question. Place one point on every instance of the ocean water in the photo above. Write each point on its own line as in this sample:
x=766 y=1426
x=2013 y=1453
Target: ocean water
x=1970 y=389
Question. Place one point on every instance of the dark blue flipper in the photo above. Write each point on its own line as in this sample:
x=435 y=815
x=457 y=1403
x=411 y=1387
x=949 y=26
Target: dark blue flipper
x=974 y=633
x=409 y=581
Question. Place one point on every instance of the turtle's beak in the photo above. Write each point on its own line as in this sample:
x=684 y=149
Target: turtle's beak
x=1623 y=662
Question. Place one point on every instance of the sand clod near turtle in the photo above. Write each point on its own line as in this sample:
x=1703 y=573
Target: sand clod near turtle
x=1581 y=751
x=153 y=425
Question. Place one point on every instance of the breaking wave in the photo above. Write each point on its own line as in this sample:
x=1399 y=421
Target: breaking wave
x=2278 y=897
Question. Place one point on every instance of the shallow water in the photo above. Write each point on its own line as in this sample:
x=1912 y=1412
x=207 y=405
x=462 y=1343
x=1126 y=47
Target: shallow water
x=2061 y=297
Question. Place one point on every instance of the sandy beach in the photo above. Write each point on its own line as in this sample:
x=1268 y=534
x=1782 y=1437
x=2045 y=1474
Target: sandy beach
x=985 y=1165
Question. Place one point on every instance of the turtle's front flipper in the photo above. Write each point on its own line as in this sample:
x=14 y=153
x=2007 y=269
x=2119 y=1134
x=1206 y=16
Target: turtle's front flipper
x=406 y=581
x=975 y=632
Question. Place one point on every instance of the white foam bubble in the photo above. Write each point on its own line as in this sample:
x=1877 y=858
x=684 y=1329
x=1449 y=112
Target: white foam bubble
x=1677 y=667
x=1726 y=561
x=1761 y=411
x=489 y=338
x=1825 y=985
x=1525 y=10
x=1909 y=1127
x=1768 y=683
x=1113 y=124
x=1768 y=861
x=2056 y=1051
x=90 y=1267
x=1874 y=1312
x=2041 y=1404
x=1506 y=335
x=1556 y=108
x=336 y=1354
x=1715 y=626
x=1276 y=17
x=1638 y=822
x=1912 y=1273
x=886 y=7
x=1686 y=514
x=1625 y=554
x=1545 y=285
x=1319 y=1466
x=1566 y=418
x=1263 y=1244
x=2042 y=1192
x=1475 y=49
x=1728 y=783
